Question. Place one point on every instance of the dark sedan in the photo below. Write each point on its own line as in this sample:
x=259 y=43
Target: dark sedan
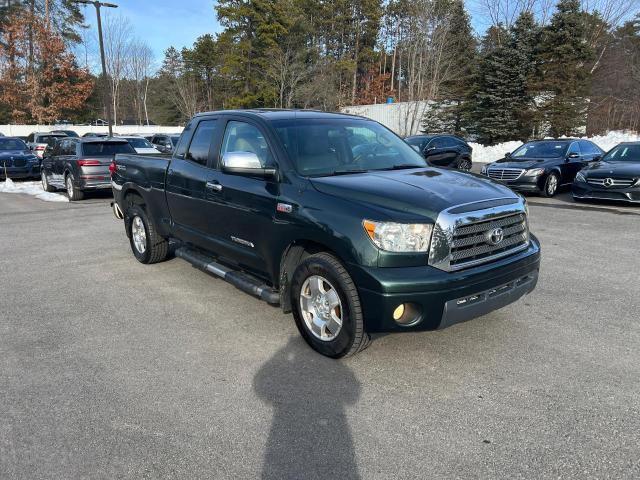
x=543 y=166
x=77 y=165
x=615 y=177
x=443 y=150
x=17 y=160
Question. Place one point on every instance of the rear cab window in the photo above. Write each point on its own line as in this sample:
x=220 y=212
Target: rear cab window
x=201 y=142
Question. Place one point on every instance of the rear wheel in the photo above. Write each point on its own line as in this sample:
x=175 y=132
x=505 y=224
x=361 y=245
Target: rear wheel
x=326 y=307
x=551 y=185
x=45 y=182
x=73 y=193
x=464 y=164
x=146 y=244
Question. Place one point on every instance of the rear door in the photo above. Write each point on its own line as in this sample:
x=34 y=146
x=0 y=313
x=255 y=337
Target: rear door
x=193 y=187
x=441 y=151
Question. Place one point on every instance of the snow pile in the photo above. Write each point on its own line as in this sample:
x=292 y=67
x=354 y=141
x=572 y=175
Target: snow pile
x=31 y=188
x=482 y=154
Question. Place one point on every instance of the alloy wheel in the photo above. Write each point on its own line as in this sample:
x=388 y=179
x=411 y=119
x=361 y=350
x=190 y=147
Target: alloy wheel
x=321 y=308
x=139 y=234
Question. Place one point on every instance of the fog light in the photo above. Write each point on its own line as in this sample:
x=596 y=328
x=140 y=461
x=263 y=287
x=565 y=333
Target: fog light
x=398 y=312
x=407 y=314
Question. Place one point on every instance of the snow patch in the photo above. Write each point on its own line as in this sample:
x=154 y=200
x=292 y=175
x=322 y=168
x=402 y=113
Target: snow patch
x=488 y=154
x=31 y=188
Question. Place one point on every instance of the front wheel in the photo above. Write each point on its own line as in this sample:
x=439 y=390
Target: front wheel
x=326 y=307
x=45 y=182
x=551 y=185
x=146 y=244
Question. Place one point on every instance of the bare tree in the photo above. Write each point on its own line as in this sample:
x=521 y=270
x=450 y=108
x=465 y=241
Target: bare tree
x=117 y=48
x=287 y=70
x=141 y=59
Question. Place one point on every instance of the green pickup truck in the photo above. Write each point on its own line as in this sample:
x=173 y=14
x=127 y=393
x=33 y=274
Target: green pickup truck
x=332 y=217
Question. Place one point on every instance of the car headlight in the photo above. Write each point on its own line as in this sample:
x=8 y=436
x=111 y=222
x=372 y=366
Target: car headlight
x=534 y=172
x=580 y=177
x=399 y=237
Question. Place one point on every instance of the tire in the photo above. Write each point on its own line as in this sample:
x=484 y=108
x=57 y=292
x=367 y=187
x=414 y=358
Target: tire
x=551 y=185
x=147 y=246
x=465 y=165
x=73 y=193
x=350 y=338
x=45 y=182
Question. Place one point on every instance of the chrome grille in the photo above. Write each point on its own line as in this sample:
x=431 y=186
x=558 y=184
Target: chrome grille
x=464 y=237
x=505 y=173
x=611 y=182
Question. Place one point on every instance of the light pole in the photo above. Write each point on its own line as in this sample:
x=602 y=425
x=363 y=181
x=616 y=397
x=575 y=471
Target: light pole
x=104 y=65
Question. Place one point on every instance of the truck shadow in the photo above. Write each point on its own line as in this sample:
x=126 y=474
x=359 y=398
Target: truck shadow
x=310 y=436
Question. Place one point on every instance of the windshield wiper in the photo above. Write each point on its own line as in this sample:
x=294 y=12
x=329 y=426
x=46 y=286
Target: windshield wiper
x=402 y=166
x=344 y=172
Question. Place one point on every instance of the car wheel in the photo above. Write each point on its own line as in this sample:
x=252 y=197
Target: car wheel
x=146 y=244
x=326 y=307
x=551 y=185
x=464 y=164
x=45 y=183
x=73 y=193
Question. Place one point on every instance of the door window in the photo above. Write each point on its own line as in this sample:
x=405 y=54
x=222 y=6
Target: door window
x=244 y=137
x=574 y=148
x=199 y=148
x=436 y=143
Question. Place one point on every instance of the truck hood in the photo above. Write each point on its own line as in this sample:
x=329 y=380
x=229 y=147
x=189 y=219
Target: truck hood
x=613 y=169
x=423 y=191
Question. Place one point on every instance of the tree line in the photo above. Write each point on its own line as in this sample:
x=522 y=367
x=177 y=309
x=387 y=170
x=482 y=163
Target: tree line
x=542 y=67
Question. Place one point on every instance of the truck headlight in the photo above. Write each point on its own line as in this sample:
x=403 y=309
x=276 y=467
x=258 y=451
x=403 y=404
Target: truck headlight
x=580 y=177
x=535 y=172
x=399 y=237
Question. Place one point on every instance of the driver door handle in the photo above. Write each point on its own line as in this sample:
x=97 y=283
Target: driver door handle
x=215 y=186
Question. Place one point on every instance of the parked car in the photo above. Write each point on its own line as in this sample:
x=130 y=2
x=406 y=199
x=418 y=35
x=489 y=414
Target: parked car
x=165 y=142
x=141 y=145
x=543 y=166
x=95 y=135
x=69 y=133
x=615 y=177
x=77 y=165
x=281 y=205
x=39 y=141
x=17 y=160
x=443 y=150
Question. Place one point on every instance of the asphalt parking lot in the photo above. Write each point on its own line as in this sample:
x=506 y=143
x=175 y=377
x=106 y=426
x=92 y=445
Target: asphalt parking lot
x=113 y=369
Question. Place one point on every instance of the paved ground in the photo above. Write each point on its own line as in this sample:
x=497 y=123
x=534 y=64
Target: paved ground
x=112 y=369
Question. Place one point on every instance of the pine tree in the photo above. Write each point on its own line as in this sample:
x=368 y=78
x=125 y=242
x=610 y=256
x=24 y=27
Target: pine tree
x=451 y=114
x=564 y=56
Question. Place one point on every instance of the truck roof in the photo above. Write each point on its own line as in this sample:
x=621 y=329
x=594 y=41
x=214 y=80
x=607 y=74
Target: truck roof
x=283 y=114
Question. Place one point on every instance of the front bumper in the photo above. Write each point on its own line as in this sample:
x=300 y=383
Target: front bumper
x=29 y=171
x=524 y=184
x=441 y=299
x=586 y=191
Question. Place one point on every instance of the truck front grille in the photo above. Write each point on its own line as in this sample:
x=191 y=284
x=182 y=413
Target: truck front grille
x=464 y=237
x=504 y=173
x=474 y=242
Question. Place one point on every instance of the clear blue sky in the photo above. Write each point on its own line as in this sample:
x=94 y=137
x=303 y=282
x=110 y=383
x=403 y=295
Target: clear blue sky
x=163 y=23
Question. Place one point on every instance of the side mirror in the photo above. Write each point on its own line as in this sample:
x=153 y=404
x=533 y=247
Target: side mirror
x=507 y=155
x=597 y=158
x=245 y=163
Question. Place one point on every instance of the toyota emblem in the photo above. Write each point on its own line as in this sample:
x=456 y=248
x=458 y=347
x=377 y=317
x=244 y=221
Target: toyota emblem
x=495 y=236
x=608 y=182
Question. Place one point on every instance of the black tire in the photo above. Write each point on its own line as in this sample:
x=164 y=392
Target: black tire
x=465 y=165
x=549 y=189
x=352 y=337
x=156 y=248
x=45 y=183
x=73 y=193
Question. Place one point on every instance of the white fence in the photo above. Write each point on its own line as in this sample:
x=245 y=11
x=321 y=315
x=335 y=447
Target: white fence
x=404 y=118
x=24 y=130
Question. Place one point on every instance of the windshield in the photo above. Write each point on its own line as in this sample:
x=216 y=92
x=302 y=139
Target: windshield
x=623 y=153
x=541 y=150
x=12 y=144
x=139 y=142
x=328 y=147
x=106 y=148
